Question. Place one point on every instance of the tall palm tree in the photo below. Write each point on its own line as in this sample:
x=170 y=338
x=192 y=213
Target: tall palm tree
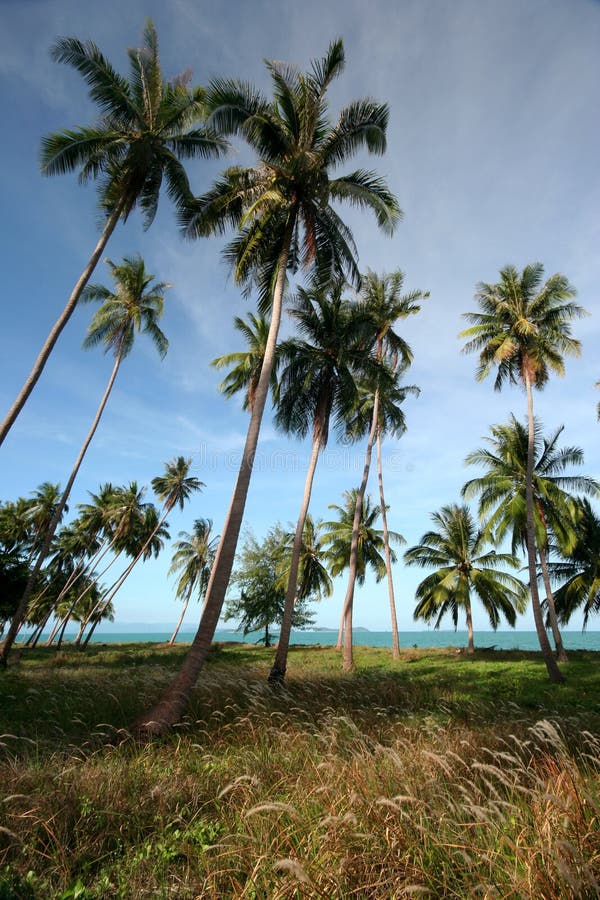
x=283 y=210
x=392 y=422
x=502 y=495
x=317 y=382
x=578 y=572
x=193 y=559
x=134 y=306
x=524 y=330
x=385 y=303
x=246 y=365
x=454 y=550
x=145 y=128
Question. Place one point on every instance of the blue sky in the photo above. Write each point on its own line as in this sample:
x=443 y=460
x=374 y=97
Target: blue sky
x=493 y=152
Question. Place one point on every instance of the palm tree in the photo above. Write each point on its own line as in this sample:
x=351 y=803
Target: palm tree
x=578 y=572
x=524 y=330
x=193 y=559
x=173 y=489
x=285 y=218
x=133 y=306
x=338 y=542
x=313 y=578
x=391 y=422
x=246 y=365
x=503 y=501
x=383 y=300
x=317 y=382
x=454 y=550
x=146 y=127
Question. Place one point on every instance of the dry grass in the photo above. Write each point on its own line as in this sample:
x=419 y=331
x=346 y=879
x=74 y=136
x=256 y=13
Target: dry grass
x=372 y=786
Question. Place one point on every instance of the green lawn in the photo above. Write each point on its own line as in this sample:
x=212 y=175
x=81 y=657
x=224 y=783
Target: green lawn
x=440 y=775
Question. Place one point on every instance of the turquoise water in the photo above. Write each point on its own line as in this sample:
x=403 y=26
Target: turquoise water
x=501 y=640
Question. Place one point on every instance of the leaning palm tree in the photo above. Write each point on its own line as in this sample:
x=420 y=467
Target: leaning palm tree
x=454 y=548
x=133 y=306
x=502 y=500
x=173 y=489
x=385 y=303
x=578 y=570
x=193 y=559
x=283 y=209
x=317 y=383
x=146 y=126
x=524 y=330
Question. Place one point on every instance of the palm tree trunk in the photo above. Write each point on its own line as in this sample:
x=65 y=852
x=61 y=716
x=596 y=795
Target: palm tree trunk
x=61 y=322
x=181 y=618
x=388 y=559
x=277 y=673
x=340 y=637
x=63 y=628
x=561 y=653
x=347 y=661
x=54 y=632
x=554 y=672
x=24 y=602
x=170 y=707
x=470 y=641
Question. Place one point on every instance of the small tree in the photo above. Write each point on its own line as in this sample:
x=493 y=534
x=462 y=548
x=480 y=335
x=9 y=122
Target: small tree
x=261 y=577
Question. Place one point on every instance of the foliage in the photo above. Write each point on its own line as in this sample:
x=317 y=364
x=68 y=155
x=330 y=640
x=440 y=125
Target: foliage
x=454 y=549
x=261 y=577
x=338 y=538
x=578 y=571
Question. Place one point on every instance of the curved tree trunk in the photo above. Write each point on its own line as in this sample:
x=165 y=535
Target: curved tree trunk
x=277 y=673
x=60 y=323
x=561 y=653
x=554 y=672
x=170 y=707
x=181 y=618
x=21 y=612
x=347 y=661
x=388 y=558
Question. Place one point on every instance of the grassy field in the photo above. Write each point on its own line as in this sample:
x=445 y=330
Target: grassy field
x=438 y=775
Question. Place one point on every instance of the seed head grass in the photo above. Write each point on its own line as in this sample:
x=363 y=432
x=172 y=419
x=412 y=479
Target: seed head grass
x=433 y=776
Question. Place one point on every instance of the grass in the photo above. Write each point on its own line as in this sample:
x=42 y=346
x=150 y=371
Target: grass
x=439 y=775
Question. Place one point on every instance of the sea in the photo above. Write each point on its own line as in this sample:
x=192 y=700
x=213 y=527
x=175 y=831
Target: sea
x=499 y=640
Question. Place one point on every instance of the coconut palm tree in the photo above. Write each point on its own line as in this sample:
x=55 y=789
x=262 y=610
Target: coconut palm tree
x=392 y=422
x=454 y=548
x=173 y=489
x=283 y=210
x=338 y=543
x=317 y=382
x=578 y=571
x=502 y=503
x=385 y=303
x=146 y=127
x=134 y=306
x=313 y=578
x=524 y=330
x=193 y=559
x=148 y=541
x=246 y=365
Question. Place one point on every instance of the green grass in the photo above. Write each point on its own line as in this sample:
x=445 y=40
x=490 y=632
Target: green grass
x=439 y=775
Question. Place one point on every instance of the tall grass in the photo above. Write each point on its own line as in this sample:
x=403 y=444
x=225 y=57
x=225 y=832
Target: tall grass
x=384 y=784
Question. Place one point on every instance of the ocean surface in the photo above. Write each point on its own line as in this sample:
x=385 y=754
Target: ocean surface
x=501 y=640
